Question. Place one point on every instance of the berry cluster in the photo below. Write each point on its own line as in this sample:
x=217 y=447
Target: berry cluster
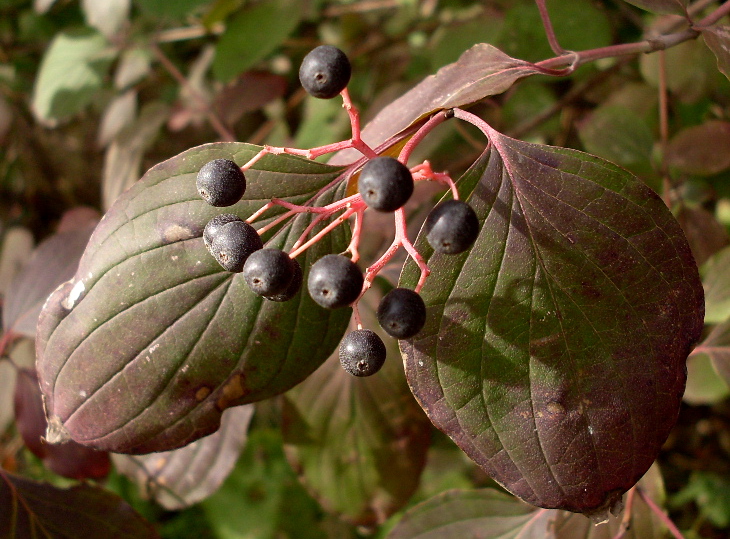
x=334 y=281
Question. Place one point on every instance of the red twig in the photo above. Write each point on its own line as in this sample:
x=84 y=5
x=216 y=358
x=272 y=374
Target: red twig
x=659 y=513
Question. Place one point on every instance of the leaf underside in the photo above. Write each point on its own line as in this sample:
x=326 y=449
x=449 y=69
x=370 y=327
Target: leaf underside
x=554 y=350
x=152 y=339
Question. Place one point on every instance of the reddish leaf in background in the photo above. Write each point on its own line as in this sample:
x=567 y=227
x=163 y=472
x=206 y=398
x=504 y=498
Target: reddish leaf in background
x=69 y=459
x=703 y=150
x=678 y=7
x=31 y=509
x=554 y=351
x=250 y=91
x=718 y=39
x=705 y=234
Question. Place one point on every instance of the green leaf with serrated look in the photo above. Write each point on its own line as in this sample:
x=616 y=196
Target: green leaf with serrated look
x=31 y=509
x=554 y=350
x=151 y=340
x=72 y=71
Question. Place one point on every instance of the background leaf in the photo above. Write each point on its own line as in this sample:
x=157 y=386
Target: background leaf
x=108 y=16
x=271 y=21
x=587 y=288
x=716 y=280
x=33 y=509
x=359 y=444
x=72 y=71
x=703 y=150
x=481 y=71
x=182 y=340
x=661 y=6
x=180 y=478
x=718 y=39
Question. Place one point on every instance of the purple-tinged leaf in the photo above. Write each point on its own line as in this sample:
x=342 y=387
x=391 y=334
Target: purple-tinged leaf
x=554 y=351
x=68 y=459
x=16 y=249
x=480 y=72
x=703 y=150
x=53 y=262
x=717 y=346
x=485 y=513
x=678 y=7
x=152 y=339
x=249 y=92
x=705 y=234
x=31 y=509
x=718 y=39
x=358 y=444
x=716 y=280
x=183 y=477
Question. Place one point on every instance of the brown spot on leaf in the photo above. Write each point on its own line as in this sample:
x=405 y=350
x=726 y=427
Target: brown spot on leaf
x=202 y=393
x=554 y=408
x=173 y=232
x=232 y=390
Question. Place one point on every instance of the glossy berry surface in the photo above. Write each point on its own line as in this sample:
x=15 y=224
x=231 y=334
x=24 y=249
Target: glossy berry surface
x=362 y=352
x=402 y=313
x=214 y=225
x=385 y=184
x=451 y=227
x=233 y=244
x=268 y=271
x=221 y=183
x=334 y=281
x=325 y=72
x=294 y=285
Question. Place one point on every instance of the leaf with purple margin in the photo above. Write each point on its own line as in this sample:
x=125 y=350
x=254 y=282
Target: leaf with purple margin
x=183 y=477
x=152 y=339
x=554 y=350
x=32 y=509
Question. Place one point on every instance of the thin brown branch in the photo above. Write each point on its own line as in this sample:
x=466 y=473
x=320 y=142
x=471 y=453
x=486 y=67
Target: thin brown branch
x=223 y=132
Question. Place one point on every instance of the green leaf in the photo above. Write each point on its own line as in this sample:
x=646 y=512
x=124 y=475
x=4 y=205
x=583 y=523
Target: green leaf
x=152 y=339
x=711 y=492
x=33 y=509
x=716 y=348
x=486 y=513
x=678 y=7
x=180 y=478
x=704 y=384
x=360 y=443
x=71 y=72
x=716 y=280
x=480 y=72
x=165 y=8
x=262 y=498
x=554 y=351
x=614 y=133
x=252 y=34
x=718 y=39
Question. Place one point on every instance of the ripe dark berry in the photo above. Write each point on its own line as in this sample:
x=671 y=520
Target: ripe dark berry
x=362 y=352
x=385 y=184
x=451 y=227
x=233 y=243
x=268 y=271
x=294 y=285
x=334 y=281
x=214 y=225
x=325 y=72
x=221 y=182
x=402 y=313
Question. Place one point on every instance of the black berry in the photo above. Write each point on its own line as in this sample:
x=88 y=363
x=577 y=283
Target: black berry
x=451 y=227
x=294 y=285
x=362 y=352
x=268 y=271
x=233 y=243
x=385 y=184
x=402 y=313
x=214 y=225
x=334 y=281
x=221 y=182
x=325 y=72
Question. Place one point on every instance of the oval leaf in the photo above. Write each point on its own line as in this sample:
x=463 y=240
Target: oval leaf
x=703 y=150
x=152 y=339
x=678 y=7
x=180 y=478
x=554 y=350
x=718 y=39
x=486 y=513
x=359 y=444
x=33 y=509
x=481 y=71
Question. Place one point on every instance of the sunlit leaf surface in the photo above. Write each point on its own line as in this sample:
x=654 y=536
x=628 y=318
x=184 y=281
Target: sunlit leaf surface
x=554 y=351
x=152 y=339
